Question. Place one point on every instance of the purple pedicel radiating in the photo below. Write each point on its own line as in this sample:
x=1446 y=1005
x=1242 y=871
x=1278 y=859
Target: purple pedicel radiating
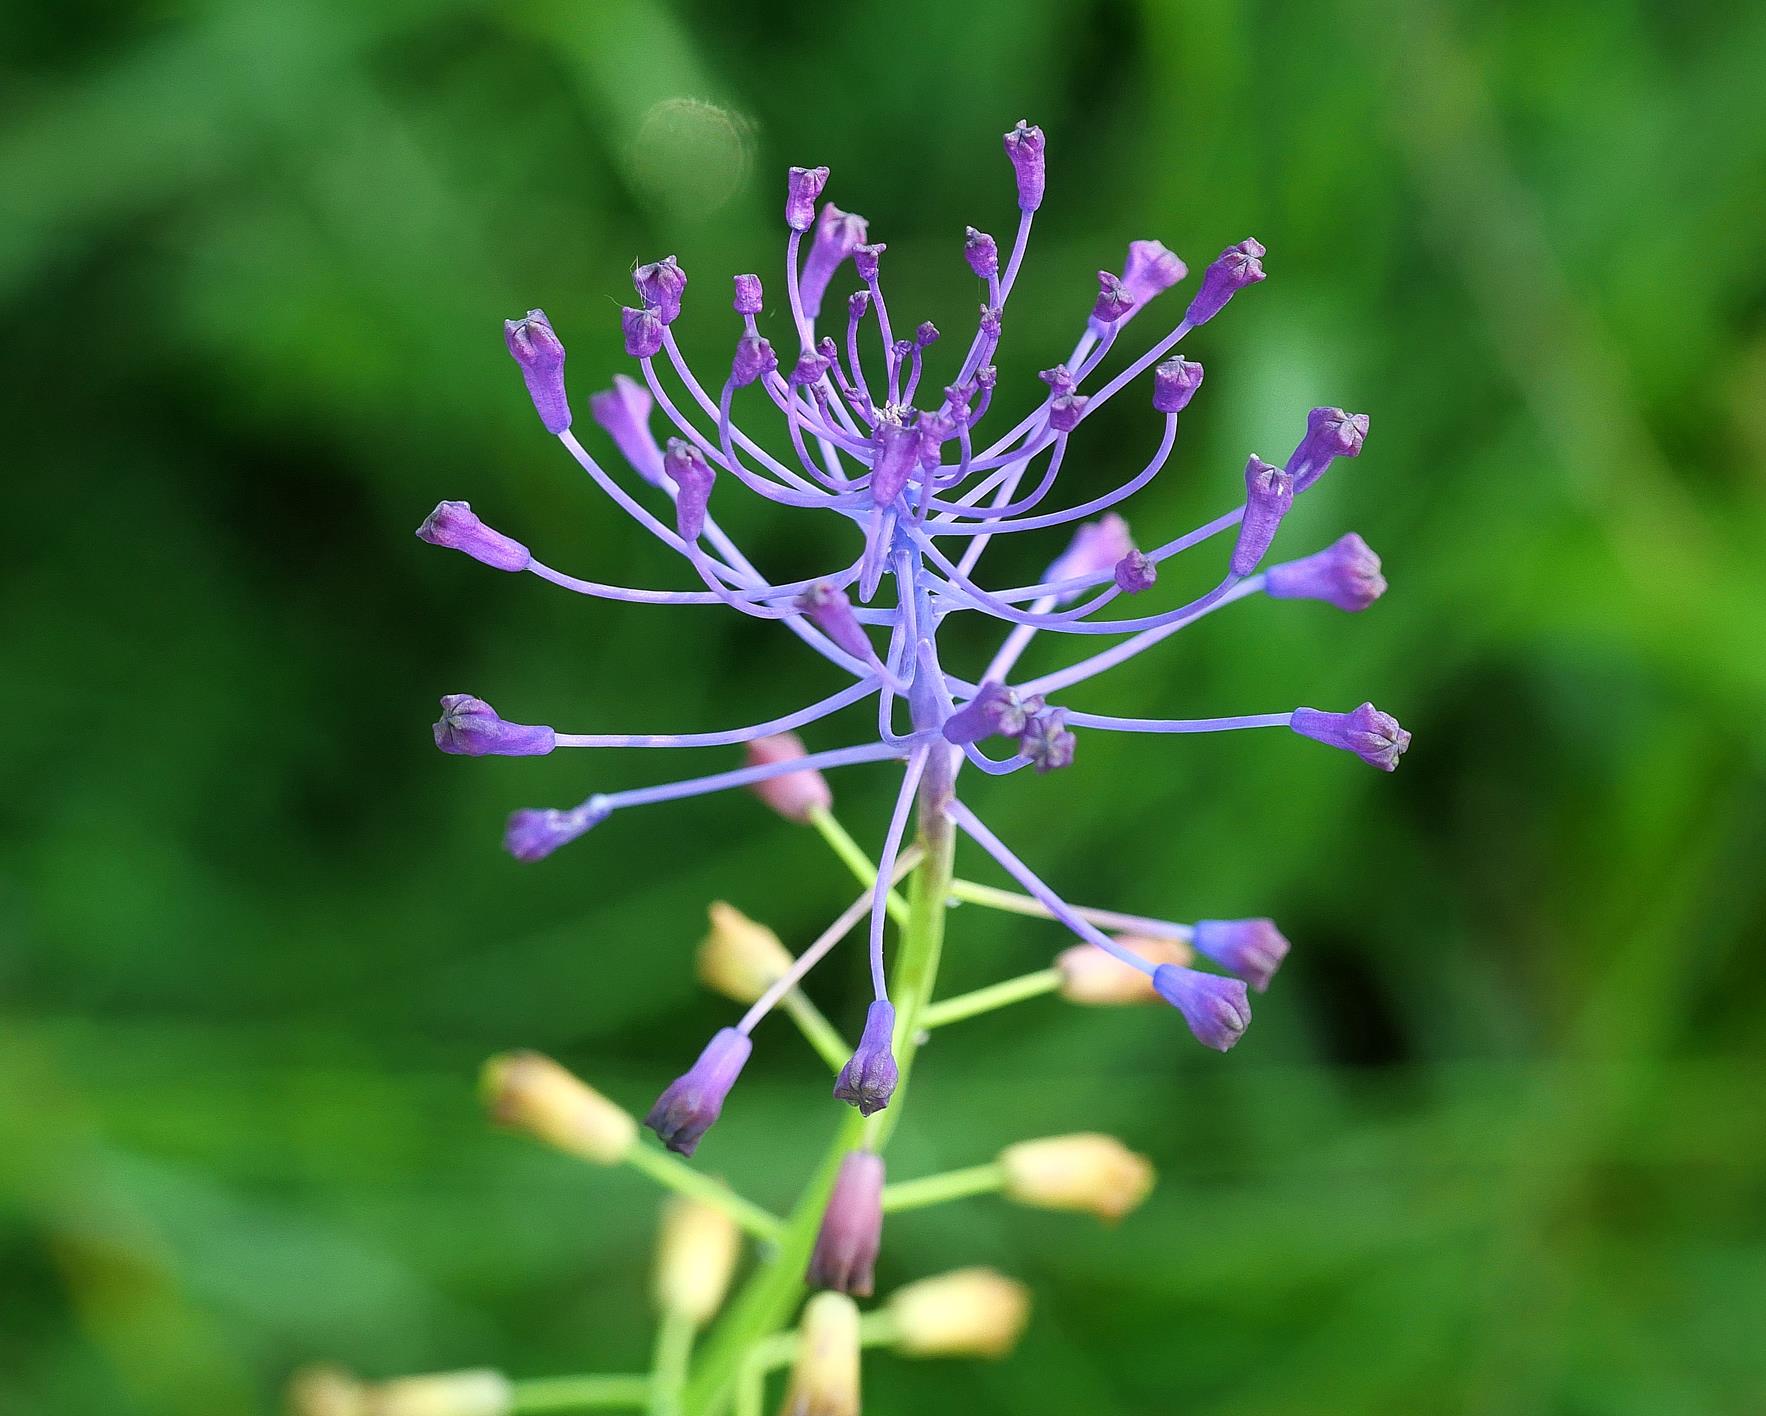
x=1371 y=735
x=623 y=413
x=996 y=711
x=852 y=1228
x=1345 y=574
x=1251 y=949
x=690 y=1105
x=748 y=298
x=1135 y=573
x=1236 y=267
x=803 y=189
x=541 y=356
x=981 y=252
x=642 y=330
x=1216 y=1008
x=662 y=284
x=1024 y=146
x=453 y=525
x=1175 y=383
x=868 y=1079
x=470 y=727
x=1269 y=492
x=686 y=467
x=1046 y=741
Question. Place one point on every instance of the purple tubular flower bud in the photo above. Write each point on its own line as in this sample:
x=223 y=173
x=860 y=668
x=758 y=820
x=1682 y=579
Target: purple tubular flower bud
x=470 y=727
x=1217 y=1009
x=1269 y=492
x=1065 y=411
x=838 y=234
x=1059 y=379
x=996 y=711
x=865 y=260
x=1046 y=741
x=852 y=1228
x=935 y=429
x=803 y=189
x=901 y=349
x=754 y=357
x=808 y=369
x=642 y=330
x=1095 y=548
x=535 y=833
x=749 y=296
x=1345 y=574
x=1330 y=433
x=797 y=796
x=1024 y=146
x=857 y=303
x=1371 y=735
x=452 y=524
x=897 y=448
x=1237 y=267
x=990 y=323
x=1251 y=949
x=1135 y=573
x=981 y=252
x=690 y=1104
x=1114 y=300
x=926 y=334
x=623 y=413
x=1175 y=383
x=1150 y=270
x=687 y=468
x=537 y=349
x=868 y=1079
x=987 y=376
x=832 y=612
x=661 y=283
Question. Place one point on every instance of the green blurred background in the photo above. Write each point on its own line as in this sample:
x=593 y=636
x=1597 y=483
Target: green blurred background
x=1495 y=1143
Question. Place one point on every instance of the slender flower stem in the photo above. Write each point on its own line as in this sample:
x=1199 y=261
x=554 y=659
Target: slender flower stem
x=985 y=1000
x=677 y=1175
x=939 y=1189
x=856 y=860
x=588 y=1393
x=1011 y=902
x=674 y=1351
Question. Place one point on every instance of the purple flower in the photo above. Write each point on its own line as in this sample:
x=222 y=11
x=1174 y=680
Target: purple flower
x=866 y=261
x=838 y=234
x=981 y=253
x=661 y=283
x=1065 y=411
x=687 y=468
x=1269 y=492
x=1059 y=379
x=541 y=357
x=809 y=369
x=1135 y=573
x=470 y=727
x=754 y=357
x=852 y=1228
x=803 y=189
x=1098 y=546
x=1046 y=741
x=1024 y=146
x=642 y=330
x=1345 y=574
x=1371 y=735
x=1150 y=270
x=453 y=525
x=898 y=447
x=1114 y=300
x=534 y=834
x=996 y=711
x=1237 y=267
x=623 y=413
x=1330 y=432
x=1217 y=1009
x=1252 y=949
x=926 y=334
x=749 y=298
x=691 y=1104
x=1175 y=383
x=990 y=329
x=868 y=1079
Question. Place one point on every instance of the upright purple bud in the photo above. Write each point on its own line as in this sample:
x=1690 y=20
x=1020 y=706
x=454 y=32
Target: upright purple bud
x=749 y=297
x=1114 y=301
x=661 y=283
x=1269 y=492
x=808 y=369
x=534 y=834
x=987 y=376
x=989 y=323
x=1135 y=573
x=1217 y=1009
x=935 y=430
x=470 y=727
x=866 y=258
x=1024 y=146
x=1237 y=267
x=803 y=189
x=1175 y=382
x=1151 y=269
x=901 y=349
x=868 y=1079
x=1345 y=574
x=856 y=305
x=926 y=334
x=452 y=524
x=687 y=468
x=623 y=413
x=1065 y=411
x=691 y=1103
x=961 y=399
x=1371 y=735
x=831 y=611
x=797 y=796
x=1330 y=433
x=1046 y=741
x=1252 y=949
x=981 y=253
x=838 y=234
x=852 y=1228
x=541 y=356
x=642 y=330
x=1059 y=379
x=897 y=447
x=995 y=711
x=1096 y=547
x=754 y=357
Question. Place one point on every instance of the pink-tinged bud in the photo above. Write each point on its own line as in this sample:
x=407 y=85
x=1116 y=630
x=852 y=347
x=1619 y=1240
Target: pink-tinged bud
x=982 y=254
x=1330 y=433
x=754 y=357
x=642 y=330
x=1217 y=1009
x=531 y=1093
x=623 y=413
x=827 y=605
x=995 y=711
x=534 y=833
x=687 y=468
x=695 y=1259
x=797 y=796
x=1269 y=492
x=691 y=1104
x=868 y=1079
x=1345 y=574
x=1093 y=978
x=1175 y=382
x=838 y=234
x=1151 y=269
x=825 y=1375
x=1135 y=573
x=738 y=957
x=852 y=1228
x=538 y=351
x=1251 y=949
x=866 y=260
x=470 y=727
x=1114 y=300
x=1095 y=549
x=1371 y=735
x=1237 y=267
x=1046 y=741
x=803 y=189
x=1024 y=146
x=453 y=525
x=1065 y=411
x=1089 y=1172
x=897 y=450
x=662 y=283
x=749 y=297
x=972 y=1312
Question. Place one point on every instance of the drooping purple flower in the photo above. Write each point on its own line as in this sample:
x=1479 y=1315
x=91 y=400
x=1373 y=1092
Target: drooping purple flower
x=1269 y=492
x=803 y=189
x=1046 y=741
x=642 y=330
x=540 y=354
x=1135 y=573
x=852 y=1228
x=1345 y=573
x=749 y=297
x=996 y=711
x=838 y=234
x=1371 y=735
x=868 y=1079
x=686 y=466
x=534 y=833
x=832 y=612
x=453 y=524
x=662 y=283
x=1024 y=146
x=982 y=254
x=690 y=1105
x=470 y=727
x=1234 y=269
x=1251 y=949
x=1114 y=300
x=1175 y=383
x=623 y=413
x=1217 y=1009
x=754 y=357
x=1151 y=269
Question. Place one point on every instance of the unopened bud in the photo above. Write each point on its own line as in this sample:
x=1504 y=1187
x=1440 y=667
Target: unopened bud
x=1269 y=492
x=1090 y=976
x=797 y=796
x=982 y=254
x=1175 y=382
x=1065 y=411
x=325 y=1391
x=824 y=1379
x=1217 y=1010
x=1024 y=146
x=690 y=1105
x=1114 y=299
x=1086 y=1171
x=1234 y=269
x=454 y=525
x=473 y=1393
x=470 y=727
x=623 y=413
x=738 y=957
x=529 y=1092
x=662 y=284
x=1345 y=574
x=838 y=234
x=749 y=296
x=852 y=1227
x=538 y=351
x=867 y=260
x=803 y=188
x=687 y=468
x=971 y=1312
x=1135 y=573
x=1371 y=735
x=695 y=1259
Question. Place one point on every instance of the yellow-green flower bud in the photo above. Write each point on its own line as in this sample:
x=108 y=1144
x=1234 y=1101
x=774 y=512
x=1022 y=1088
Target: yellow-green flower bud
x=740 y=958
x=971 y=1312
x=1092 y=977
x=1085 y=1171
x=824 y=1380
x=531 y=1093
x=695 y=1259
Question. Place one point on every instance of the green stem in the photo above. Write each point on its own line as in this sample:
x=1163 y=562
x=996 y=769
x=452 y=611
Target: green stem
x=674 y=1350
x=856 y=860
x=937 y=1189
x=822 y=1035
x=580 y=1393
x=1011 y=902
x=677 y=1175
x=985 y=1000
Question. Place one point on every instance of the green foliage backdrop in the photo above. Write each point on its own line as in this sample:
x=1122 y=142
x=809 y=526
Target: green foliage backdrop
x=1495 y=1141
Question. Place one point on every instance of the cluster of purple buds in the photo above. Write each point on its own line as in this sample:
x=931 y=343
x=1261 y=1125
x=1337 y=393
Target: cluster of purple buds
x=918 y=492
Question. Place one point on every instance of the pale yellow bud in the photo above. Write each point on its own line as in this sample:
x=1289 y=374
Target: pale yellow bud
x=326 y=1391
x=739 y=958
x=1079 y=1172
x=1090 y=976
x=695 y=1259
x=824 y=1381
x=972 y=1312
x=474 y=1393
x=531 y=1093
